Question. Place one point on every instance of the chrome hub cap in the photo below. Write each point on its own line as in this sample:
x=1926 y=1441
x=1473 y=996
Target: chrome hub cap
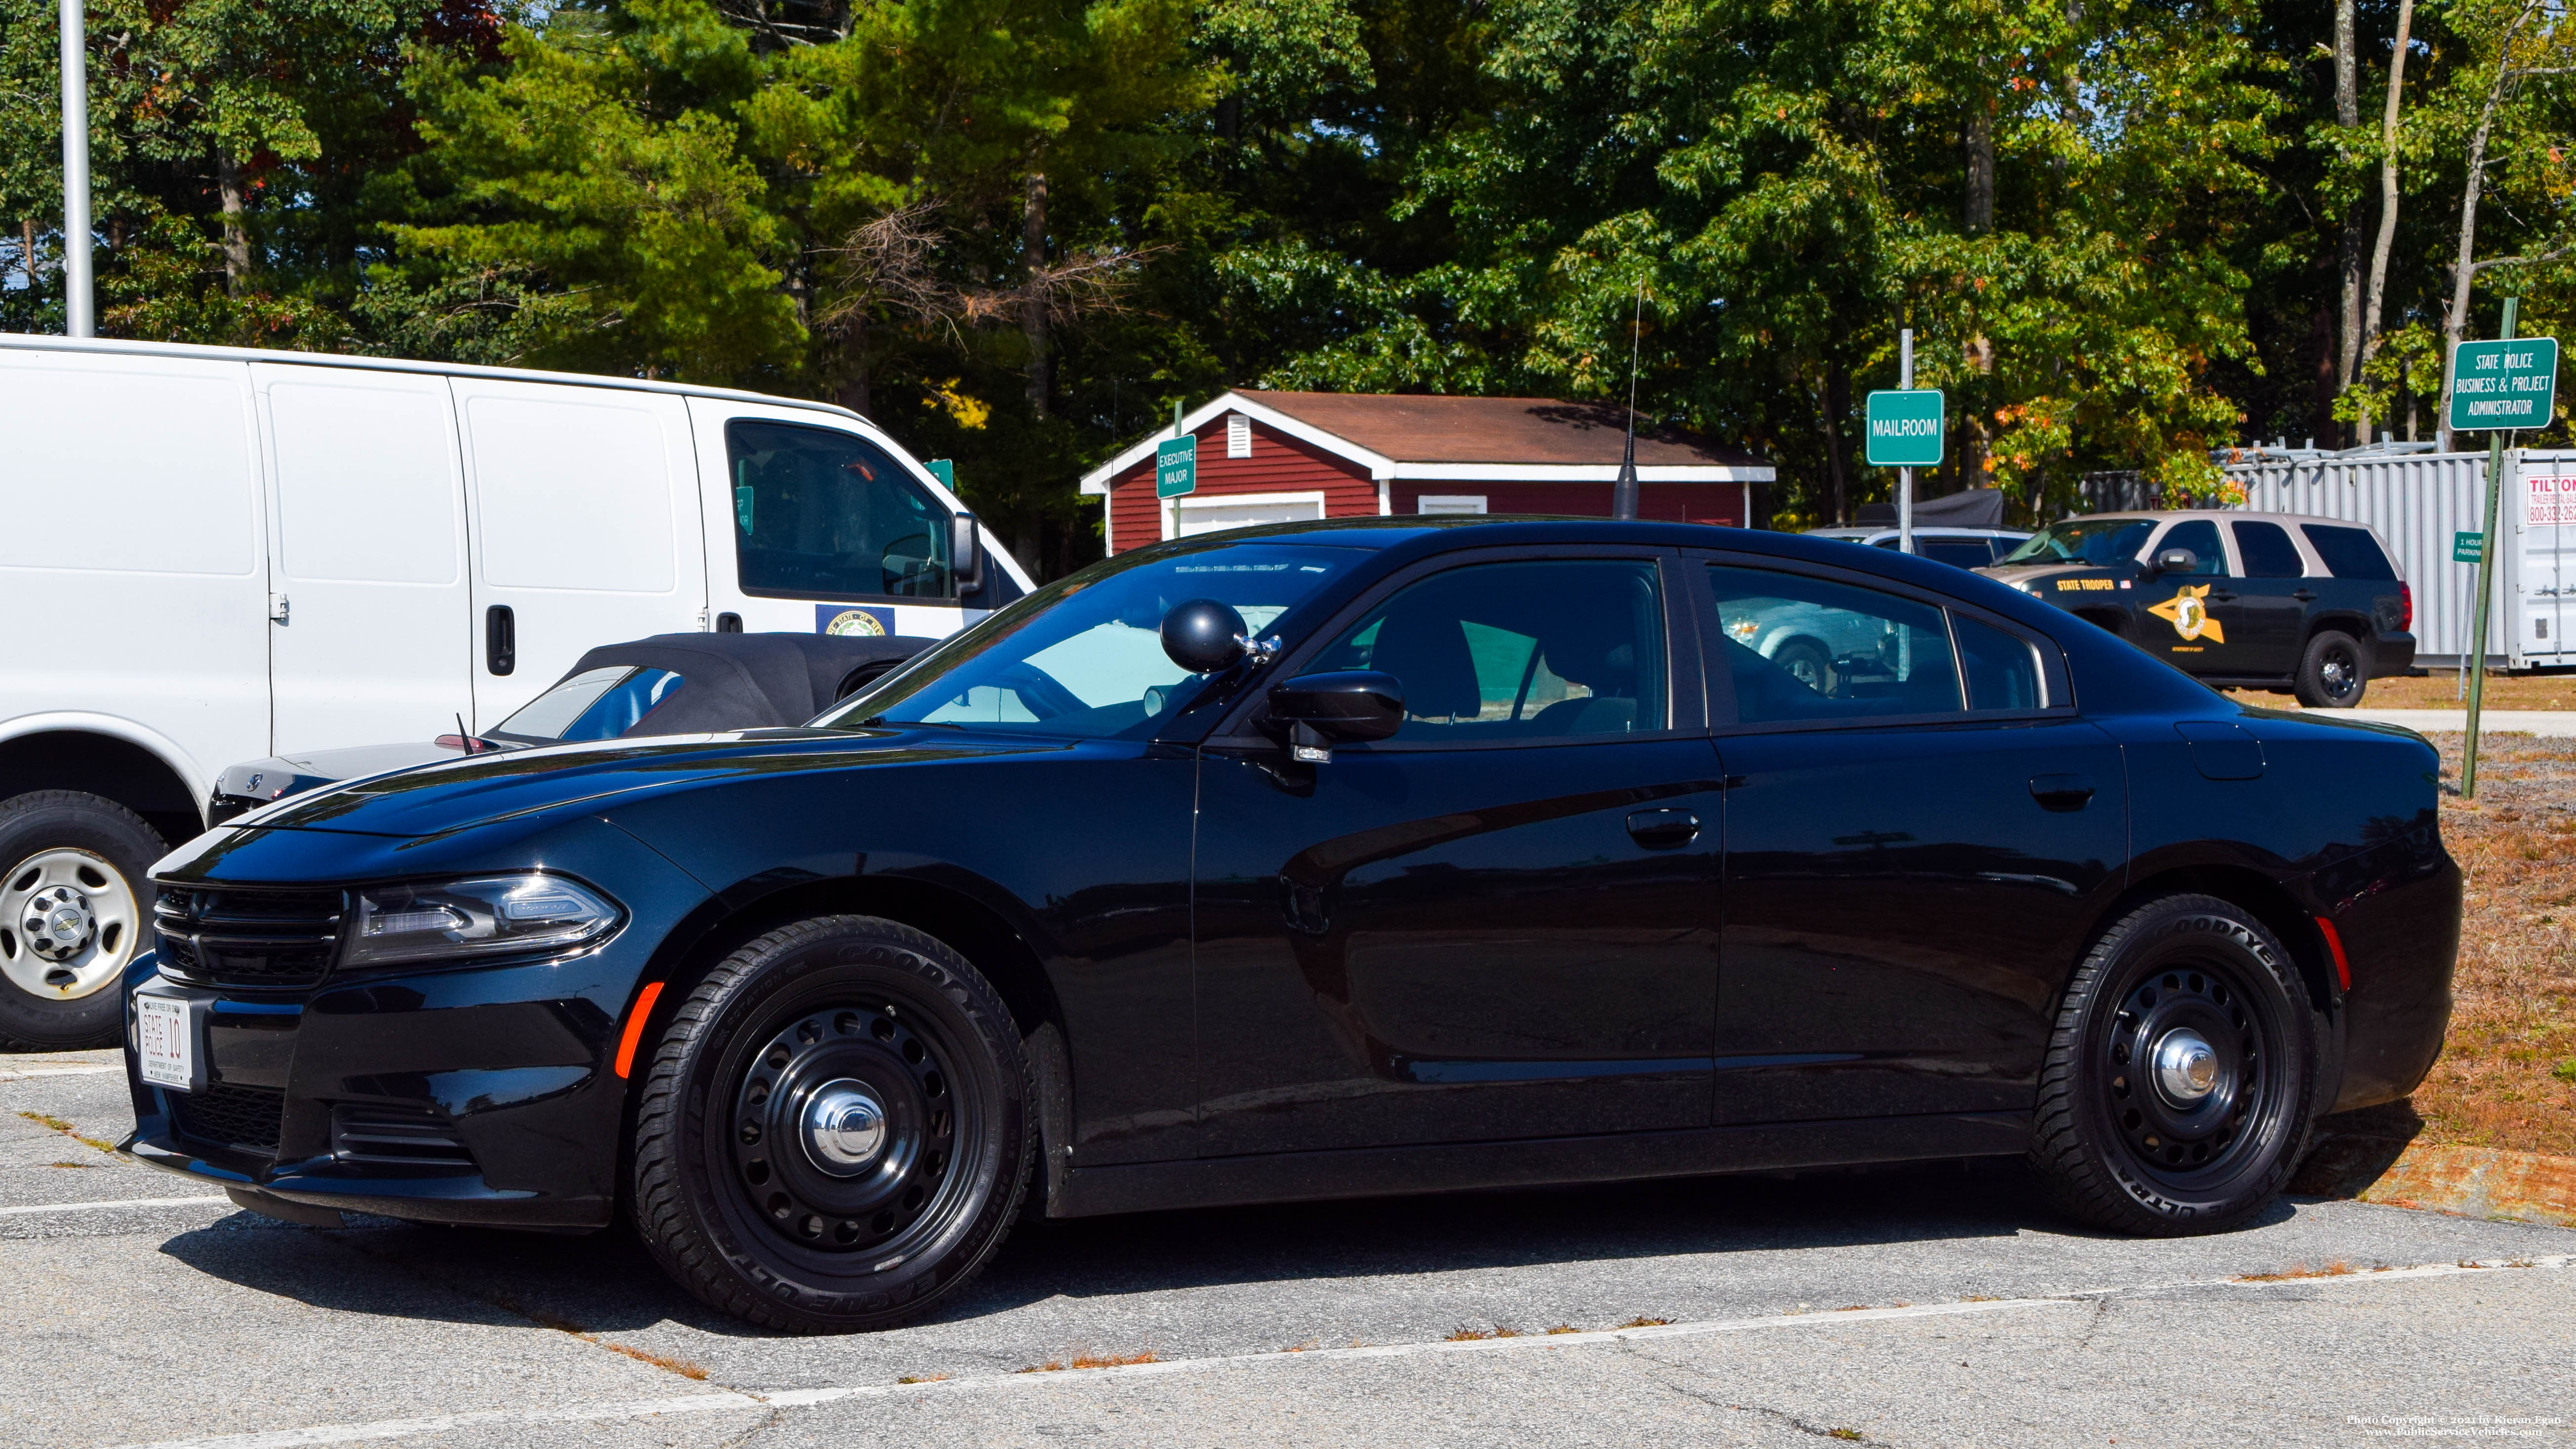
x=845 y=1128
x=2186 y=1067
x=68 y=924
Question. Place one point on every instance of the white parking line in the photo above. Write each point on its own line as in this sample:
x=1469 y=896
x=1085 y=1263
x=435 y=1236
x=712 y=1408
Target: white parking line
x=110 y=1205
x=330 y=1434
x=21 y=1074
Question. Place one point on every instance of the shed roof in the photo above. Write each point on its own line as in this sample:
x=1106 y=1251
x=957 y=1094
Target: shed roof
x=1497 y=439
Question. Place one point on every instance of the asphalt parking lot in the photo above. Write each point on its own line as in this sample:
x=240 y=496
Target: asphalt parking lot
x=1924 y=1306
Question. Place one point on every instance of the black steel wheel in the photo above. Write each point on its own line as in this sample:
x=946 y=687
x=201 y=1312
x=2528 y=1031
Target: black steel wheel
x=2178 y=1089
x=2334 y=672
x=835 y=1131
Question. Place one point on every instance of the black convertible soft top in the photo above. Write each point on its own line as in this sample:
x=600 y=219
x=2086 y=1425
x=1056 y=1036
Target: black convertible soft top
x=752 y=681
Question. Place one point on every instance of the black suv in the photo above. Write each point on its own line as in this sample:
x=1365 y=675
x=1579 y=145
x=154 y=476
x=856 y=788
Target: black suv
x=2267 y=600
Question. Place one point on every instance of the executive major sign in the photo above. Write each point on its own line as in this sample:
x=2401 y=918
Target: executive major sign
x=2502 y=386
x=1176 y=466
x=1904 y=428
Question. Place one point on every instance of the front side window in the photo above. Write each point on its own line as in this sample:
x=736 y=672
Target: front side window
x=2085 y=540
x=2201 y=537
x=1801 y=648
x=819 y=513
x=1084 y=656
x=1519 y=651
x=596 y=704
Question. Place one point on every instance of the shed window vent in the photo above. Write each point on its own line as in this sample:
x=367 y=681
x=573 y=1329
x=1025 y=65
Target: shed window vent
x=1238 y=436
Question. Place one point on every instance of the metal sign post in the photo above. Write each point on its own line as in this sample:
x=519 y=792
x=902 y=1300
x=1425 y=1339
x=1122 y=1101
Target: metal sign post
x=1906 y=431
x=2496 y=387
x=80 y=317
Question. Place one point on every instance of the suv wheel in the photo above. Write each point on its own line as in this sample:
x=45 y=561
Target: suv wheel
x=835 y=1131
x=2176 y=1093
x=2333 y=673
x=75 y=907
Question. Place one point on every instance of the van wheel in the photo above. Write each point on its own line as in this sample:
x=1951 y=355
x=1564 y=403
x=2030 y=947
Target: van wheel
x=2333 y=673
x=2175 y=1096
x=836 y=1128
x=75 y=907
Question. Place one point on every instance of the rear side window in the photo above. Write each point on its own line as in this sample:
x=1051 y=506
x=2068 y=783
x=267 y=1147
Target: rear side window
x=2201 y=537
x=2002 y=671
x=1958 y=553
x=819 y=513
x=2350 y=553
x=2267 y=551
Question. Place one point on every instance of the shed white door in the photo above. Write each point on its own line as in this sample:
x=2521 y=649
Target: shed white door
x=584 y=510
x=1195 y=514
x=367 y=542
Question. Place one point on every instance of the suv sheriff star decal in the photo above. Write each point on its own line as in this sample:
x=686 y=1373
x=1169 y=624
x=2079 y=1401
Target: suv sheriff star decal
x=2188 y=612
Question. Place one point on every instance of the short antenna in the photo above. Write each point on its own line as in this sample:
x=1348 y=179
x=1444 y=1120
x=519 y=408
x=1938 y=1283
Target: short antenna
x=1623 y=494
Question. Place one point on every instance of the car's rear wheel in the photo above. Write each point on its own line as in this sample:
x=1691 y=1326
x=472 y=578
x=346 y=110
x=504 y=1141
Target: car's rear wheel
x=75 y=907
x=2177 y=1090
x=2334 y=672
x=835 y=1131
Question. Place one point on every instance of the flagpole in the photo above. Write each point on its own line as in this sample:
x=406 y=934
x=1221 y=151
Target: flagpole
x=79 y=305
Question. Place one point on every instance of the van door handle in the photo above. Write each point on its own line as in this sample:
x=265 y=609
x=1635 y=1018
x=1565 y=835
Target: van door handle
x=2062 y=792
x=500 y=639
x=1662 y=829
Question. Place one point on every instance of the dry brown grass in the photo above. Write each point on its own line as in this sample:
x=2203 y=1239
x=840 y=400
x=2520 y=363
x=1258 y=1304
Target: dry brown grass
x=2335 y=1269
x=2507 y=1074
x=680 y=1366
x=2441 y=690
x=1645 y=1323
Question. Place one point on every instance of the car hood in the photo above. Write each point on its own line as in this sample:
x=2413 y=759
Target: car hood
x=279 y=776
x=485 y=789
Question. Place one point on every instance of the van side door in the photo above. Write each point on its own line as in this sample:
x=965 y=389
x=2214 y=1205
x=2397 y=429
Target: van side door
x=817 y=523
x=371 y=641
x=583 y=503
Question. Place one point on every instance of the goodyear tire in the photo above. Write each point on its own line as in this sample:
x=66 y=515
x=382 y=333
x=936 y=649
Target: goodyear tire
x=75 y=907
x=2181 y=1075
x=836 y=1128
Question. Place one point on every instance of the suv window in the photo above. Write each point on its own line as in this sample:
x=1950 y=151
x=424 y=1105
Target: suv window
x=1508 y=651
x=819 y=513
x=1802 y=648
x=2201 y=537
x=2350 y=553
x=2267 y=551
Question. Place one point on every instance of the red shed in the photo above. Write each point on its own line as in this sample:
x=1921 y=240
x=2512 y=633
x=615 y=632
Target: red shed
x=1266 y=457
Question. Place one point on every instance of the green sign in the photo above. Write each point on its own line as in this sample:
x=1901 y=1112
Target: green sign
x=1176 y=466
x=2465 y=547
x=2503 y=385
x=945 y=470
x=1905 y=428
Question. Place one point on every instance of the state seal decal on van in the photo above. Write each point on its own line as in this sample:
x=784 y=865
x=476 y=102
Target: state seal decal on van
x=2188 y=612
x=834 y=619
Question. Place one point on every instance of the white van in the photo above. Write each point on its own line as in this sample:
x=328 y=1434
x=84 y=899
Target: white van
x=210 y=554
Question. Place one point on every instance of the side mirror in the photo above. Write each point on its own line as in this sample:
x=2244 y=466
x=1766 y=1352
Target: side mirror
x=1204 y=636
x=966 y=553
x=2177 y=561
x=1357 y=704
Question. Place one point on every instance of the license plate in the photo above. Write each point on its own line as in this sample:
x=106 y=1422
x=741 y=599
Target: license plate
x=166 y=1041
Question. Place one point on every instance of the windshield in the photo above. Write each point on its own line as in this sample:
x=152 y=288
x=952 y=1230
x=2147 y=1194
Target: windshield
x=1085 y=656
x=2085 y=540
x=596 y=704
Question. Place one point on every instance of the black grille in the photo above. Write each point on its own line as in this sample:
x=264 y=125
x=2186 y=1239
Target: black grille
x=229 y=1116
x=248 y=938
x=402 y=1136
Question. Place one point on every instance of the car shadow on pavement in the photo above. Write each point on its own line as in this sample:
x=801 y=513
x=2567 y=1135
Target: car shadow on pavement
x=608 y=1282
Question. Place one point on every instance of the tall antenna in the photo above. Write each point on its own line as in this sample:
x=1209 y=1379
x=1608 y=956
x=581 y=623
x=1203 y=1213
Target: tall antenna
x=1623 y=494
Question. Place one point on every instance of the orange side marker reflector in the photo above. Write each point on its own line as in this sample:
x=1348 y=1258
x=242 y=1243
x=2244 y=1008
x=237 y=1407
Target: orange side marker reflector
x=2334 y=943
x=652 y=992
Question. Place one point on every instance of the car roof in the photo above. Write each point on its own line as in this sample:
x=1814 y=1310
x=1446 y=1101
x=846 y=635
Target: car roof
x=2160 y=515
x=1881 y=530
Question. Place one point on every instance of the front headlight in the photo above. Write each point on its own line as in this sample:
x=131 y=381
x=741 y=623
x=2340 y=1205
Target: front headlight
x=484 y=916
x=1744 y=630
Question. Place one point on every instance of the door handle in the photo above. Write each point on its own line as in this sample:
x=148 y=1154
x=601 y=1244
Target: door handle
x=2062 y=792
x=1662 y=829
x=2216 y=597
x=500 y=639
x=2303 y=595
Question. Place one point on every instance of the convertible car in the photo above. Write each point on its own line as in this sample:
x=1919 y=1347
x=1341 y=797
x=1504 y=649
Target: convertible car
x=1316 y=861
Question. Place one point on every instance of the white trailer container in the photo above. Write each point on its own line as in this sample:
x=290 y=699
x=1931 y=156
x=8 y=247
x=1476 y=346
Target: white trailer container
x=2419 y=502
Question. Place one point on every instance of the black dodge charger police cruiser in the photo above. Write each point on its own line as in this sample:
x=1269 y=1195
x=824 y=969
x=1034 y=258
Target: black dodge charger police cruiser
x=2267 y=600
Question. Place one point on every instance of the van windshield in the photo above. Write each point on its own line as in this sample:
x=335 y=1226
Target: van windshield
x=1084 y=656
x=2084 y=540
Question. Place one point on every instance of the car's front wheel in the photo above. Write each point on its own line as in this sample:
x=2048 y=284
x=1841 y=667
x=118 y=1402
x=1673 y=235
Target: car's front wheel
x=2176 y=1093
x=835 y=1130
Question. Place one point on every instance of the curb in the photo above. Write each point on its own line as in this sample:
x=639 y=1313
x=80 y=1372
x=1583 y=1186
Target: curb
x=2477 y=1182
